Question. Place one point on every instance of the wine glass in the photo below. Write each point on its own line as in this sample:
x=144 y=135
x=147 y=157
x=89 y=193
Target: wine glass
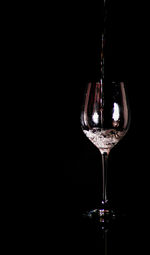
x=105 y=119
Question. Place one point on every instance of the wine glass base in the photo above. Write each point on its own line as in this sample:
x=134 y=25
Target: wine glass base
x=101 y=215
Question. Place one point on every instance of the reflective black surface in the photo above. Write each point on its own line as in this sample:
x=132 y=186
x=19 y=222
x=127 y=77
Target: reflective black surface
x=125 y=235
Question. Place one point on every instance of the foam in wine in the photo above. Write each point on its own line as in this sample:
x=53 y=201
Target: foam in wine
x=104 y=140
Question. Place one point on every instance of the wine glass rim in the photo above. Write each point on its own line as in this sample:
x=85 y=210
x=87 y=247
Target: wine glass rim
x=113 y=82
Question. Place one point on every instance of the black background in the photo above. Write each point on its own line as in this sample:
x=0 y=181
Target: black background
x=53 y=54
x=129 y=53
x=81 y=161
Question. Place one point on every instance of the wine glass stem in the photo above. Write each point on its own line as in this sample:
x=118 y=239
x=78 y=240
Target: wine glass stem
x=104 y=177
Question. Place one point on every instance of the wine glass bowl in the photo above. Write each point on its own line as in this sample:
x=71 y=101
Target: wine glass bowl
x=105 y=119
x=105 y=114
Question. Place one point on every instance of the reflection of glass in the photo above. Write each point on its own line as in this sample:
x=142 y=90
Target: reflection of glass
x=105 y=236
x=105 y=121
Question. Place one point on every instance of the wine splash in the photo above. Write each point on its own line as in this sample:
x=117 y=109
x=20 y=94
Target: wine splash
x=104 y=140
